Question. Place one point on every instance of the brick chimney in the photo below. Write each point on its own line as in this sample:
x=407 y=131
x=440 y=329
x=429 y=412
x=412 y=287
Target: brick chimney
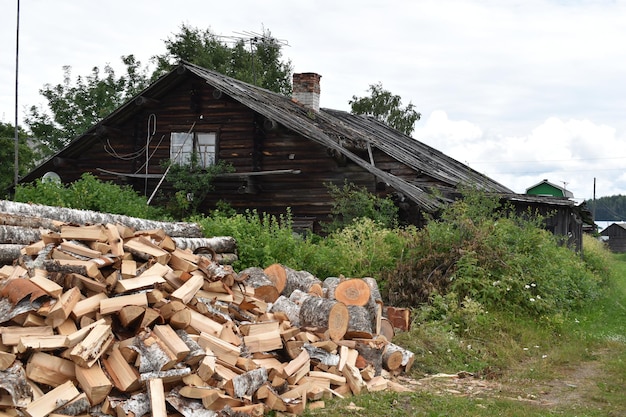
x=306 y=89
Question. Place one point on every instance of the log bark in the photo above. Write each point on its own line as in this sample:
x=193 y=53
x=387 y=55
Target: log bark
x=291 y=309
x=247 y=383
x=360 y=323
x=298 y=280
x=173 y=229
x=329 y=285
x=322 y=312
x=263 y=288
x=33 y=222
x=372 y=354
x=219 y=244
x=19 y=235
x=374 y=289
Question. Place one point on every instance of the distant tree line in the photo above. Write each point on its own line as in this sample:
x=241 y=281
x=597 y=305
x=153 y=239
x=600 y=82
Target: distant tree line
x=610 y=208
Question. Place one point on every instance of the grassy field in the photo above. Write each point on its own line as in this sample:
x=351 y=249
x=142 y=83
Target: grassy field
x=573 y=365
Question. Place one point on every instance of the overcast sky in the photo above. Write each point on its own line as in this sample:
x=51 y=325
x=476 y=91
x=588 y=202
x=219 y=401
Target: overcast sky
x=519 y=90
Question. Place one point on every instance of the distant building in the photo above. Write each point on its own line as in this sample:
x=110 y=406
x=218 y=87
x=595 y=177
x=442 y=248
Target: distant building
x=615 y=236
x=546 y=188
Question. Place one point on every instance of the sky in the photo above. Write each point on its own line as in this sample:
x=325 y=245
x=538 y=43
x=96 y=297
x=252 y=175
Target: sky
x=521 y=91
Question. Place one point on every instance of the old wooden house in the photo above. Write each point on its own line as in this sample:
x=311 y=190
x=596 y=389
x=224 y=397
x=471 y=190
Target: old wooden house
x=615 y=236
x=284 y=150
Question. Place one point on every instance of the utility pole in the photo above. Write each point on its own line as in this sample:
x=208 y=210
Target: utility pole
x=17 y=49
x=593 y=210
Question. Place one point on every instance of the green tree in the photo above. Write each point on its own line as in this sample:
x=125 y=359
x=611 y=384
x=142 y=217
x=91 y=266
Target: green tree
x=257 y=60
x=77 y=105
x=387 y=108
x=27 y=155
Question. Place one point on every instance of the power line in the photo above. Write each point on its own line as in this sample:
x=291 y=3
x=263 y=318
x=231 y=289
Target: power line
x=538 y=161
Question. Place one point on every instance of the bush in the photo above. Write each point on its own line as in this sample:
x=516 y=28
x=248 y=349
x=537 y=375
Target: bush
x=500 y=260
x=88 y=193
x=351 y=202
x=262 y=239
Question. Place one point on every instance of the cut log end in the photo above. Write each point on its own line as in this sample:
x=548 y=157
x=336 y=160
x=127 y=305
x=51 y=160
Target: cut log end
x=353 y=292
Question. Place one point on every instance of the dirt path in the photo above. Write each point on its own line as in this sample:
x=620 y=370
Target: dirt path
x=577 y=385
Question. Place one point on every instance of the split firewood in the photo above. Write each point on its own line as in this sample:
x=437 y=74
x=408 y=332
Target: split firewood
x=93 y=346
x=94 y=382
x=52 y=400
x=124 y=376
x=50 y=370
x=157 y=398
x=114 y=309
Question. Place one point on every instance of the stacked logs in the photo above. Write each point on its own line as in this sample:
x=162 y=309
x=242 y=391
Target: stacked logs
x=22 y=224
x=106 y=320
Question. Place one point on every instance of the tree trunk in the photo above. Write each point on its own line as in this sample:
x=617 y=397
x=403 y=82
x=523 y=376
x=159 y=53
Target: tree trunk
x=322 y=312
x=173 y=229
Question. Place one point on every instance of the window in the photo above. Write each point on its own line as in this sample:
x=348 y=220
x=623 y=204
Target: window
x=183 y=144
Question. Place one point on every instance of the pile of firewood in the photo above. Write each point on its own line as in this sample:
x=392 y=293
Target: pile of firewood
x=104 y=319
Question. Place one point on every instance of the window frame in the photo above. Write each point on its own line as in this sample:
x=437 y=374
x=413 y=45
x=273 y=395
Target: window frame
x=204 y=143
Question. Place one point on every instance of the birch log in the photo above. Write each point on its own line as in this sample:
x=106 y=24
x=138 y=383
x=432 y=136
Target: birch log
x=322 y=312
x=219 y=244
x=299 y=280
x=290 y=308
x=263 y=288
x=9 y=252
x=353 y=291
x=360 y=323
x=66 y=215
x=33 y=222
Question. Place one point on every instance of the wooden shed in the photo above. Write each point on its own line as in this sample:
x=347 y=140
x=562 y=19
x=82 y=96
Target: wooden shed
x=615 y=236
x=284 y=150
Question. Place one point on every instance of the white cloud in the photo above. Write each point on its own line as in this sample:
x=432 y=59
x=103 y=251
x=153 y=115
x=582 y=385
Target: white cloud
x=513 y=88
x=570 y=153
